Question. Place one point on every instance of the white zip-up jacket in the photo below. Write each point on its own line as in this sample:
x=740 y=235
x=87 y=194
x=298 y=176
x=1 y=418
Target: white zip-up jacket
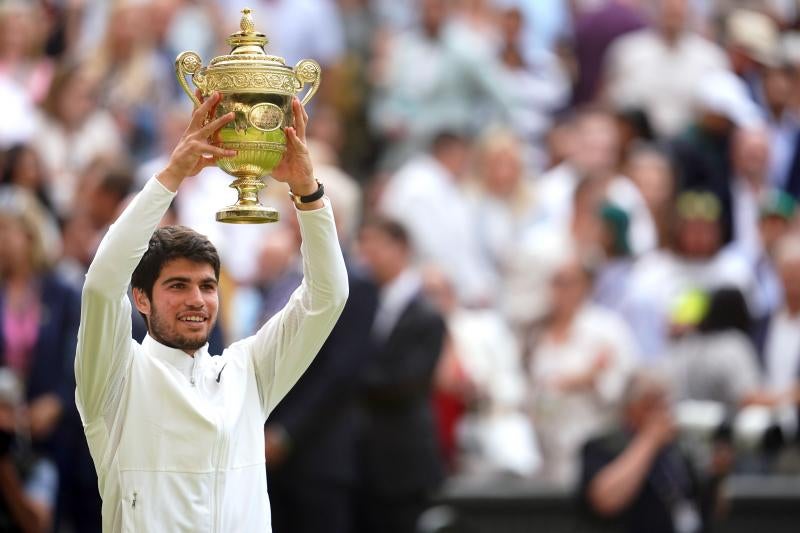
x=178 y=441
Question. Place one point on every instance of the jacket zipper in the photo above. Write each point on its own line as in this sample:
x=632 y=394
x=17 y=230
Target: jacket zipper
x=219 y=465
x=136 y=521
x=194 y=366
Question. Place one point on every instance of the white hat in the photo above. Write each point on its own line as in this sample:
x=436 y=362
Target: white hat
x=754 y=32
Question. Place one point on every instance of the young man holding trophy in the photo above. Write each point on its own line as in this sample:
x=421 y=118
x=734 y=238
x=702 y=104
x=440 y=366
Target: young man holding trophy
x=177 y=435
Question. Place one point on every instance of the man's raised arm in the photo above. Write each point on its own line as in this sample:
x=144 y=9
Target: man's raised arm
x=104 y=337
x=284 y=347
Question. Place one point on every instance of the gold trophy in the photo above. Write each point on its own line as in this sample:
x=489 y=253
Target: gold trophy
x=259 y=89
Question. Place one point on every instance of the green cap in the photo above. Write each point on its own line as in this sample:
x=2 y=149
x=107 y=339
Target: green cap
x=693 y=205
x=617 y=221
x=777 y=203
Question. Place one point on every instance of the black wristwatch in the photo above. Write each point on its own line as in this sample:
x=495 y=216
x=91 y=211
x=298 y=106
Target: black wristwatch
x=308 y=198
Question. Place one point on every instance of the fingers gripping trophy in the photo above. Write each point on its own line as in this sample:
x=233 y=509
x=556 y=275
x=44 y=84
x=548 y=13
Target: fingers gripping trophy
x=259 y=89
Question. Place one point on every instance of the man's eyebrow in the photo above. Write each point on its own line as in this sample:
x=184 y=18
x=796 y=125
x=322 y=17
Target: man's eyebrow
x=173 y=279
x=184 y=279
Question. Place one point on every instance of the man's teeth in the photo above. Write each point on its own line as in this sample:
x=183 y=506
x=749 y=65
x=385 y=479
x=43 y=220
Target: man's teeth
x=193 y=319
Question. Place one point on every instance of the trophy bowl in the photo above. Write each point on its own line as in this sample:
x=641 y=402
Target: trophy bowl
x=258 y=88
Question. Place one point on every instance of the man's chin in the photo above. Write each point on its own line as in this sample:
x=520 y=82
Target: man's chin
x=185 y=342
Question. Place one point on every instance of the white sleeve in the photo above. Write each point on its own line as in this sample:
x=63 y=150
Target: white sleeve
x=284 y=347
x=105 y=346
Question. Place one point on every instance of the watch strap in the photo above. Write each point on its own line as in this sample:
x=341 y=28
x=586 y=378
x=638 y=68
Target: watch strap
x=308 y=198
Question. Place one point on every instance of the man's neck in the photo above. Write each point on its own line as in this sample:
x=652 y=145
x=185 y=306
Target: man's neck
x=190 y=353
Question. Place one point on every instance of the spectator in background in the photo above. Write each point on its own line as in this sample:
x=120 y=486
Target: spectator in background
x=783 y=126
x=637 y=478
x=776 y=216
x=547 y=23
x=594 y=155
x=23 y=167
x=297 y=29
x=634 y=128
x=400 y=457
x=782 y=348
x=22 y=47
x=751 y=42
x=436 y=77
x=39 y=314
x=525 y=297
x=535 y=81
x=595 y=31
x=702 y=153
x=784 y=129
x=695 y=260
x=487 y=435
x=718 y=361
x=79 y=240
x=105 y=195
x=426 y=195
x=73 y=132
x=28 y=482
x=134 y=82
x=17 y=110
x=660 y=69
x=749 y=184
x=650 y=169
x=503 y=200
x=611 y=286
x=579 y=364
x=199 y=26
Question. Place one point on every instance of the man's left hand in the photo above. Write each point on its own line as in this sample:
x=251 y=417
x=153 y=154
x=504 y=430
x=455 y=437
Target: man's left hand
x=295 y=168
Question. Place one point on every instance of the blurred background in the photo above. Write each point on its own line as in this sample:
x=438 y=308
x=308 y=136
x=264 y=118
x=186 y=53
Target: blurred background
x=572 y=237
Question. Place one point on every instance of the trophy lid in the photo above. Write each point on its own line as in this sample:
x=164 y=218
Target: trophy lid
x=248 y=45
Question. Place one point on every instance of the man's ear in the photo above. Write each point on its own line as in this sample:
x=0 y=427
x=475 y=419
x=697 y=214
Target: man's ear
x=141 y=301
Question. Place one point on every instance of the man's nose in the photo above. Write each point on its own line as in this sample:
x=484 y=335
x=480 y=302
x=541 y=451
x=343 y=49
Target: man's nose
x=195 y=297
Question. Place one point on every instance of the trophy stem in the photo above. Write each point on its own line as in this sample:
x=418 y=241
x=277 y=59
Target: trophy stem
x=247 y=209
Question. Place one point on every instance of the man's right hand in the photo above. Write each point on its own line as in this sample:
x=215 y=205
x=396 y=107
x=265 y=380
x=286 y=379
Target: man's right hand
x=194 y=150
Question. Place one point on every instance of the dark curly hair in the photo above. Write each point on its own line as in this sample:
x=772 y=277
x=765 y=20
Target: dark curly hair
x=166 y=244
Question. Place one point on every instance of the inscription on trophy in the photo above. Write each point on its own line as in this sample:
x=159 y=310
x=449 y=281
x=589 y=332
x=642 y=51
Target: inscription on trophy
x=266 y=116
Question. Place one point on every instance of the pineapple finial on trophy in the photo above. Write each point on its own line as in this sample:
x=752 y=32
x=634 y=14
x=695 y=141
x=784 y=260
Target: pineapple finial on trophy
x=246 y=24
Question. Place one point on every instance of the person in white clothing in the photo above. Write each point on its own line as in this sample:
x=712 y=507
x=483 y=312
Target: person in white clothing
x=578 y=365
x=660 y=68
x=782 y=347
x=177 y=435
x=448 y=237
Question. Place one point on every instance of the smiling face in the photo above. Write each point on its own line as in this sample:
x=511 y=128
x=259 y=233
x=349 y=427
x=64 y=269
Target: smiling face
x=184 y=304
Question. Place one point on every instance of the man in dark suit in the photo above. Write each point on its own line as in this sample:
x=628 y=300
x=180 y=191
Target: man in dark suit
x=311 y=435
x=401 y=460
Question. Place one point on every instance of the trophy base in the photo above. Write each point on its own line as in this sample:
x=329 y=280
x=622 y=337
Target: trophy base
x=247 y=214
x=247 y=209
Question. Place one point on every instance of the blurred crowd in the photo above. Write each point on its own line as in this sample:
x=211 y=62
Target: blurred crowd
x=570 y=226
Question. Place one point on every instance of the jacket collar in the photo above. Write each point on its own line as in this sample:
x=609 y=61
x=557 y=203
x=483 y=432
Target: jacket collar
x=177 y=358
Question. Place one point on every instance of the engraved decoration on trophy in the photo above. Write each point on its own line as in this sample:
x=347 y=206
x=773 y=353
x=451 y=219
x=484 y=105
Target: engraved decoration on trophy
x=258 y=88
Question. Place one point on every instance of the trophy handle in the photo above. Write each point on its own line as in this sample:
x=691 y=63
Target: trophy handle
x=308 y=71
x=190 y=63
